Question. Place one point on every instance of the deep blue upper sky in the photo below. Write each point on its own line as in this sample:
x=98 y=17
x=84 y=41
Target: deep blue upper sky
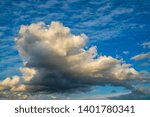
x=117 y=27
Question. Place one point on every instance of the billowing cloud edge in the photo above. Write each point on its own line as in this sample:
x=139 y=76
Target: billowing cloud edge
x=56 y=60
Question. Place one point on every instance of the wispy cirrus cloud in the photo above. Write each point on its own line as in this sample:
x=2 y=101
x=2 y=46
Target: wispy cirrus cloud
x=141 y=56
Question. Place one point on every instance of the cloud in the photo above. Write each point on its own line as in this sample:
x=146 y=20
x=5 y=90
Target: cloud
x=11 y=84
x=125 y=52
x=28 y=73
x=56 y=60
x=102 y=19
x=140 y=93
x=106 y=96
x=144 y=64
x=146 y=45
x=141 y=56
x=11 y=95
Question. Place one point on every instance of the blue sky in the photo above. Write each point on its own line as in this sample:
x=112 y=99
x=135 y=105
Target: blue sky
x=119 y=28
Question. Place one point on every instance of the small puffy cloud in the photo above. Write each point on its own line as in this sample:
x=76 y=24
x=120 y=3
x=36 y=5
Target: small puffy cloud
x=12 y=84
x=141 y=56
x=9 y=83
x=146 y=45
x=55 y=59
x=125 y=52
x=28 y=73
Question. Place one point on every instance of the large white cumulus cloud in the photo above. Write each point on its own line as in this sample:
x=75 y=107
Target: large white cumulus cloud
x=55 y=59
